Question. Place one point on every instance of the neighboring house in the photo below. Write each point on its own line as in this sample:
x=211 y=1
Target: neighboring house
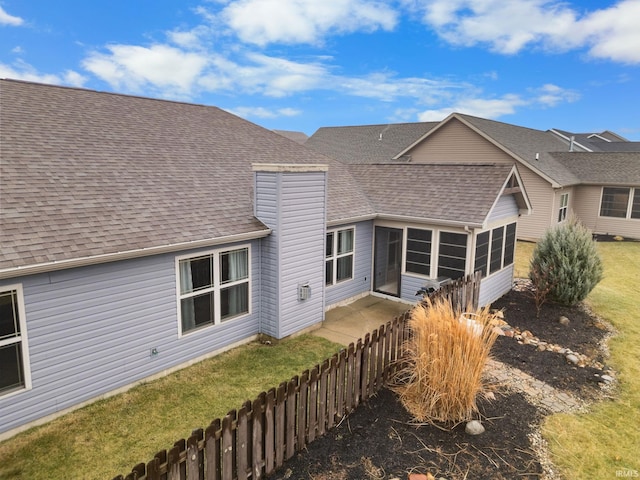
x=138 y=236
x=557 y=183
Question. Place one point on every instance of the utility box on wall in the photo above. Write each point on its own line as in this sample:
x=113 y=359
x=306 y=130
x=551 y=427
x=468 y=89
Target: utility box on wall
x=304 y=291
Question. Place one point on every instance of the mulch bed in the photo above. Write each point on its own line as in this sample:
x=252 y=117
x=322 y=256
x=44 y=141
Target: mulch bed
x=381 y=441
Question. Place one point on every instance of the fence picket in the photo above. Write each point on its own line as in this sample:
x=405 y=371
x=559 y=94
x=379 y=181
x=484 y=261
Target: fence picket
x=242 y=443
x=340 y=385
x=280 y=424
x=349 y=401
x=357 y=374
x=227 y=446
x=303 y=408
x=312 y=427
x=322 y=397
x=195 y=458
x=292 y=388
x=269 y=432
x=257 y=436
x=212 y=437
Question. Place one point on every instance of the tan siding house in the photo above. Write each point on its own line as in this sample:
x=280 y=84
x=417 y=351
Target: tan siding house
x=561 y=174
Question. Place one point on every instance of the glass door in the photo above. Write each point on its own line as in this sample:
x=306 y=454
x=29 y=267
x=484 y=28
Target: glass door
x=387 y=261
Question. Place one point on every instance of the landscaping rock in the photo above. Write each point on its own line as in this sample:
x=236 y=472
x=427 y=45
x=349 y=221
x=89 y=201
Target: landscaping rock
x=474 y=427
x=564 y=320
x=573 y=359
x=607 y=378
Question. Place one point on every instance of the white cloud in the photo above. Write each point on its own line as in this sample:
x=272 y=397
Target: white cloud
x=6 y=19
x=163 y=67
x=479 y=107
x=262 y=22
x=23 y=71
x=548 y=95
x=261 y=112
x=509 y=27
x=614 y=33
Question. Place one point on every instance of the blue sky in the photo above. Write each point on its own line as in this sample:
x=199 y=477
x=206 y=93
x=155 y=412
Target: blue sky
x=304 y=64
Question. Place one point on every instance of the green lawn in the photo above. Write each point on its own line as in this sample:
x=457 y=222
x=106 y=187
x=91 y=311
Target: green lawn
x=604 y=442
x=109 y=437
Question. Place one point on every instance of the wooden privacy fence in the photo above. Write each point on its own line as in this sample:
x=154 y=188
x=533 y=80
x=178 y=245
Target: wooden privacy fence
x=254 y=441
x=463 y=293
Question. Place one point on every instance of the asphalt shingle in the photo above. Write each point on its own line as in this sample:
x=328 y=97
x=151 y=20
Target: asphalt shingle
x=85 y=173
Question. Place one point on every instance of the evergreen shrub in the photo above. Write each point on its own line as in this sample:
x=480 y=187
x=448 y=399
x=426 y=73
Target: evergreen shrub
x=565 y=265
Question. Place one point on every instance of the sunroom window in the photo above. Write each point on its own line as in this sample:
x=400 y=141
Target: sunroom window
x=452 y=255
x=418 y=258
x=495 y=249
x=213 y=287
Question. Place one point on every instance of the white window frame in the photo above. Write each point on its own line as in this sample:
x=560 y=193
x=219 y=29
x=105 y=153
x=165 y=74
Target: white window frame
x=436 y=268
x=216 y=288
x=503 y=249
x=633 y=191
x=333 y=258
x=563 y=210
x=22 y=339
x=432 y=257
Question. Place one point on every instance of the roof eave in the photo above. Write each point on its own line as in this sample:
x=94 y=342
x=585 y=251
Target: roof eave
x=127 y=255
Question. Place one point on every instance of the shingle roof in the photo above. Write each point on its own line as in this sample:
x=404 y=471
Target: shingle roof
x=525 y=143
x=457 y=193
x=299 y=137
x=84 y=173
x=603 y=168
x=367 y=143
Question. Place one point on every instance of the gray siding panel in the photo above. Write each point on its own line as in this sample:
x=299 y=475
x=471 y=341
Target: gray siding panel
x=505 y=207
x=495 y=286
x=266 y=205
x=91 y=330
x=361 y=281
x=302 y=221
x=410 y=285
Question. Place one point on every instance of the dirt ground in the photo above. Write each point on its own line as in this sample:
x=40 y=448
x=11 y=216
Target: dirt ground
x=380 y=441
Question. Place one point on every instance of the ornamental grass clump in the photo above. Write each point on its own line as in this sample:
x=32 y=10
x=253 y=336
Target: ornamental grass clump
x=445 y=356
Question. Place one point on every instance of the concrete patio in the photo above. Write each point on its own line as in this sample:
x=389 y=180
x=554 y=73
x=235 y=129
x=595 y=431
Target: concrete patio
x=348 y=323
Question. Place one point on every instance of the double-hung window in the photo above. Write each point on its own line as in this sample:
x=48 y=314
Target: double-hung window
x=14 y=354
x=339 y=255
x=620 y=202
x=213 y=287
x=564 y=207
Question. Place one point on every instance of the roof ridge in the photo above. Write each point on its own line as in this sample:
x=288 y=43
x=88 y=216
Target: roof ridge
x=105 y=92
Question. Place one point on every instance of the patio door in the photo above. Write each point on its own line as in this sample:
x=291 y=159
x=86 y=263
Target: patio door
x=387 y=261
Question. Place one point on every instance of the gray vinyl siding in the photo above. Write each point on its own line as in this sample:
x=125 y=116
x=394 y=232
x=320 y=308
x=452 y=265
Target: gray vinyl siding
x=505 y=207
x=303 y=218
x=409 y=286
x=361 y=281
x=91 y=330
x=293 y=205
x=266 y=206
x=496 y=285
